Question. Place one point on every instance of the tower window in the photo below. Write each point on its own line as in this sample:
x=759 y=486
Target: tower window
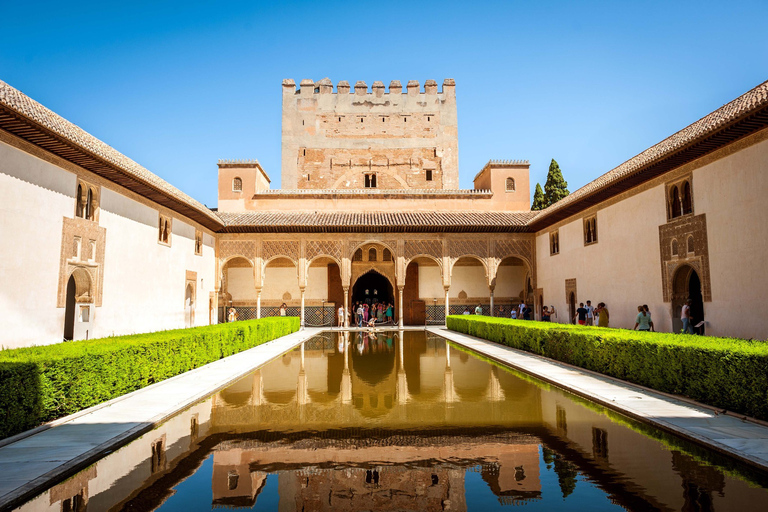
x=590 y=230
x=429 y=175
x=554 y=243
x=237 y=185
x=370 y=181
x=510 y=184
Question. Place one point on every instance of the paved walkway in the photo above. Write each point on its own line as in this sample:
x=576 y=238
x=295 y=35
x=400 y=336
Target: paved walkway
x=744 y=440
x=29 y=466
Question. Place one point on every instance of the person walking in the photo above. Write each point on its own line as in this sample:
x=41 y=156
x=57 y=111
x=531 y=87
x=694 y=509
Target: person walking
x=647 y=310
x=521 y=310
x=685 y=316
x=590 y=313
x=359 y=315
x=527 y=313
x=581 y=315
x=479 y=310
x=603 y=317
x=643 y=320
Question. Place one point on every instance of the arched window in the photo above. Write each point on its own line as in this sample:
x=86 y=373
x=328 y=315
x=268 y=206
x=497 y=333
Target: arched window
x=237 y=185
x=79 y=202
x=676 y=209
x=371 y=254
x=510 y=184
x=687 y=199
x=358 y=255
x=160 y=229
x=387 y=255
x=674 y=247
x=165 y=232
x=690 y=245
x=89 y=205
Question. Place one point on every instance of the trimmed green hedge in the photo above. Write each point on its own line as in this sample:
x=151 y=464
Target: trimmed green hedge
x=39 y=384
x=722 y=372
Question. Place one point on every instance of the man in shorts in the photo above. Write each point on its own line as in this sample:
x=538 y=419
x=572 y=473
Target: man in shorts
x=590 y=313
x=581 y=314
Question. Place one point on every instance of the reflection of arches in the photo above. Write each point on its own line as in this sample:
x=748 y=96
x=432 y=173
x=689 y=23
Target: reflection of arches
x=686 y=284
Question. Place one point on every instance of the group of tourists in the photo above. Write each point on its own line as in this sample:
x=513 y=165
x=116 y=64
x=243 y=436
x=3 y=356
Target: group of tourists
x=371 y=314
x=590 y=315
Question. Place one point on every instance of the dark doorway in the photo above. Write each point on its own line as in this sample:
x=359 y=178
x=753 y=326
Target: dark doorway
x=69 y=311
x=572 y=307
x=687 y=285
x=371 y=288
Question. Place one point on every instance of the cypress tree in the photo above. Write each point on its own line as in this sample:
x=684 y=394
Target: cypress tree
x=539 y=201
x=556 y=187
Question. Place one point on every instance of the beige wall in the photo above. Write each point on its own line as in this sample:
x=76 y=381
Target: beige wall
x=624 y=268
x=472 y=280
x=144 y=282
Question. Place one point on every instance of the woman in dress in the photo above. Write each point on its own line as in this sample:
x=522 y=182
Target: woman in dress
x=389 y=313
x=380 y=313
x=603 y=316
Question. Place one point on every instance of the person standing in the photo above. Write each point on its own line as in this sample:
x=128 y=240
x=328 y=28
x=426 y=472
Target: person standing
x=590 y=313
x=521 y=310
x=647 y=310
x=466 y=312
x=479 y=310
x=685 y=316
x=581 y=315
x=389 y=313
x=552 y=312
x=643 y=320
x=232 y=315
x=545 y=314
x=283 y=309
x=359 y=314
x=341 y=316
x=603 y=317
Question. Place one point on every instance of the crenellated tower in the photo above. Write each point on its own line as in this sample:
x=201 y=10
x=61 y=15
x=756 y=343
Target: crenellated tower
x=357 y=138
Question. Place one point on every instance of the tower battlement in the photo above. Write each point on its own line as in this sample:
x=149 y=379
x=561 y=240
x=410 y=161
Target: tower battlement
x=358 y=137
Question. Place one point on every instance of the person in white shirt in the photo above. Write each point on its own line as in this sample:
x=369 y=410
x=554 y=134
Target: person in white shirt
x=360 y=315
x=685 y=316
x=590 y=313
x=521 y=310
x=513 y=315
x=341 y=317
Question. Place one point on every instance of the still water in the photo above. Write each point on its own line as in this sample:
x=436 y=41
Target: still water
x=403 y=421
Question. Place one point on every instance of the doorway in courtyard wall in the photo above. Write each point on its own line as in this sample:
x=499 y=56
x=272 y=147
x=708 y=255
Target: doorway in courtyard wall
x=372 y=288
x=78 y=292
x=571 y=307
x=69 y=311
x=686 y=285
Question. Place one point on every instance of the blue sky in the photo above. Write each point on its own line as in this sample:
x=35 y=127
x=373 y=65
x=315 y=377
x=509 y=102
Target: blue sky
x=177 y=86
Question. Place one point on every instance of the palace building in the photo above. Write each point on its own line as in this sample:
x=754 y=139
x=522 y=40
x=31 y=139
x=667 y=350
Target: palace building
x=97 y=245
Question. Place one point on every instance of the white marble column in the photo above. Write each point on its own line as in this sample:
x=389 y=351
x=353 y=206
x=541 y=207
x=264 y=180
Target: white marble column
x=346 y=307
x=258 y=302
x=447 y=308
x=400 y=306
x=302 y=308
x=492 y=301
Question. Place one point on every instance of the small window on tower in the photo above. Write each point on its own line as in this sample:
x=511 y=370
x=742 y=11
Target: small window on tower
x=237 y=185
x=370 y=181
x=429 y=175
x=510 y=184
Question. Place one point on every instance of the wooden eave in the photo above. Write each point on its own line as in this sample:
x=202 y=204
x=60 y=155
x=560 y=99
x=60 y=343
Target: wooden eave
x=42 y=137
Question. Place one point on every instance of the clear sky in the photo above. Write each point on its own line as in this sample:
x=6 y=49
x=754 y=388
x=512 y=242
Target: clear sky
x=177 y=86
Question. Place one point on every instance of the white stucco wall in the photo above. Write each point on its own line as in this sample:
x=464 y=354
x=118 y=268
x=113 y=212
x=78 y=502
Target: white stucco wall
x=144 y=282
x=732 y=193
x=472 y=280
x=623 y=269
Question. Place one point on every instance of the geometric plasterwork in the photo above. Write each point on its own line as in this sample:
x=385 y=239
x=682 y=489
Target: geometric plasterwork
x=468 y=247
x=82 y=248
x=522 y=248
x=432 y=248
x=683 y=242
x=230 y=248
x=355 y=244
x=332 y=248
x=284 y=248
x=570 y=287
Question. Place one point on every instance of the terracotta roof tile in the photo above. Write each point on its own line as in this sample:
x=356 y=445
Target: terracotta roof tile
x=378 y=222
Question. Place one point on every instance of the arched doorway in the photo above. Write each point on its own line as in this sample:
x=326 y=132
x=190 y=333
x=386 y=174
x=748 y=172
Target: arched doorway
x=571 y=307
x=78 y=292
x=686 y=285
x=372 y=288
x=189 y=306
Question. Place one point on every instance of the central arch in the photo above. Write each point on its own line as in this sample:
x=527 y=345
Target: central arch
x=372 y=287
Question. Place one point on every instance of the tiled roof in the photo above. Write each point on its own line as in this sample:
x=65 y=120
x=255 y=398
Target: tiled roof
x=375 y=222
x=746 y=114
x=373 y=193
x=50 y=131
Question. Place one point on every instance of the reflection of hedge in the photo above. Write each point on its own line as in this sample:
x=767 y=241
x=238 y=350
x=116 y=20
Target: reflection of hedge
x=723 y=372
x=39 y=384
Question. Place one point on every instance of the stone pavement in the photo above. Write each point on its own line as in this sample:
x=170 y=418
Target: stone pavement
x=30 y=465
x=742 y=439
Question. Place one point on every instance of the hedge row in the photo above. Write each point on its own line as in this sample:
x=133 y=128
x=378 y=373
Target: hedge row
x=39 y=384
x=723 y=372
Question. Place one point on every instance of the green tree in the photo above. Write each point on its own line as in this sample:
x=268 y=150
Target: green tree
x=556 y=187
x=539 y=201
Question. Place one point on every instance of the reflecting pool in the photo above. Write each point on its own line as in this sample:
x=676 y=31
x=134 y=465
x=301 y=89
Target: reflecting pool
x=402 y=420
